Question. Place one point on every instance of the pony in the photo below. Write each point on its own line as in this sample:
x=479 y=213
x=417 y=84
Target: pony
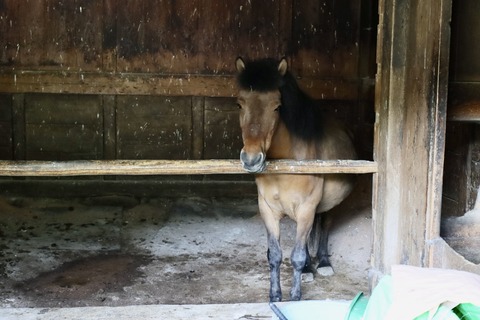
x=280 y=121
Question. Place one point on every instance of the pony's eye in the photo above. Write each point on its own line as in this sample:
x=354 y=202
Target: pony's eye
x=239 y=106
x=277 y=108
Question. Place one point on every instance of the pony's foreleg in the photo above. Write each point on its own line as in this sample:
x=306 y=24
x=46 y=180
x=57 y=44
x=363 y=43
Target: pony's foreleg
x=299 y=255
x=274 y=253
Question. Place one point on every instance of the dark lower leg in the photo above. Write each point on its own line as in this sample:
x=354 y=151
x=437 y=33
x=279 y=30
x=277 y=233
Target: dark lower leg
x=308 y=268
x=274 y=254
x=299 y=259
x=322 y=254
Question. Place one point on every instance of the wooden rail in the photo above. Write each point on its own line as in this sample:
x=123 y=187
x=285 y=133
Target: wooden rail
x=154 y=84
x=177 y=167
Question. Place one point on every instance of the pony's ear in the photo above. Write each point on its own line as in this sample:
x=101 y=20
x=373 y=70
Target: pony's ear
x=240 y=64
x=283 y=66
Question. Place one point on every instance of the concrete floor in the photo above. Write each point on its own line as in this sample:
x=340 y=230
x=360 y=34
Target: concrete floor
x=159 y=255
x=251 y=311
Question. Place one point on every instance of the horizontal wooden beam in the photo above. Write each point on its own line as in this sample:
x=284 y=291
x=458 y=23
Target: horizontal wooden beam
x=155 y=84
x=467 y=112
x=177 y=167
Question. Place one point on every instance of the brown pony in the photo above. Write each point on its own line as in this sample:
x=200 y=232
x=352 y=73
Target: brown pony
x=279 y=121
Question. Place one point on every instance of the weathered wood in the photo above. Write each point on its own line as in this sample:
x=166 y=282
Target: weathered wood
x=109 y=127
x=18 y=126
x=456 y=169
x=321 y=24
x=468 y=111
x=222 y=129
x=180 y=167
x=198 y=127
x=63 y=127
x=411 y=92
x=174 y=37
x=465 y=64
x=155 y=84
x=6 y=143
x=154 y=127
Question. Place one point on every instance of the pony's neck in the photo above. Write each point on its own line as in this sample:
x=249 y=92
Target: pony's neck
x=298 y=110
x=286 y=146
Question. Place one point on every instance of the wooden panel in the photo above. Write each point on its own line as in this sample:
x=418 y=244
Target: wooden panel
x=184 y=36
x=465 y=65
x=325 y=38
x=154 y=127
x=456 y=169
x=109 y=127
x=411 y=92
x=223 y=137
x=63 y=127
x=474 y=178
x=199 y=36
x=6 y=129
x=51 y=34
x=184 y=47
x=249 y=28
x=18 y=123
x=198 y=127
x=153 y=188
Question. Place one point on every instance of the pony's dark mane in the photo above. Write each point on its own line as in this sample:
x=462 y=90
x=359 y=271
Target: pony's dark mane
x=298 y=110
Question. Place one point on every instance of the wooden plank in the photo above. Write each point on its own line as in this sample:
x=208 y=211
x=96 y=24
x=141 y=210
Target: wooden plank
x=178 y=167
x=223 y=136
x=325 y=38
x=198 y=127
x=109 y=127
x=51 y=34
x=63 y=127
x=465 y=65
x=468 y=111
x=155 y=84
x=153 y=127
x=411 y=95
x=18 y=124
x=457 y=169
x=6 y=128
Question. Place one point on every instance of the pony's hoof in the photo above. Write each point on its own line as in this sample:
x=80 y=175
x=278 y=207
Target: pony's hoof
x=275 y=295
x=295 y=297
x=325 y=271
x=307 y=277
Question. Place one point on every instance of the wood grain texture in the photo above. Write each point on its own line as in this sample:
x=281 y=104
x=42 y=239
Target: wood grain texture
x=411 y=98
x=180 y=167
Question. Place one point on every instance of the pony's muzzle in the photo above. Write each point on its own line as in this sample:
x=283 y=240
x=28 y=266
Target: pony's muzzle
x=253 y=163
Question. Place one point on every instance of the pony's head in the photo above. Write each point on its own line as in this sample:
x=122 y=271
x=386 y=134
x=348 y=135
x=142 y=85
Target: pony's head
x=259 y=99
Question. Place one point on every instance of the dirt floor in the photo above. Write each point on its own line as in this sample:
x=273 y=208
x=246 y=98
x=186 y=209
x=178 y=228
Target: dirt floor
x=119 y=250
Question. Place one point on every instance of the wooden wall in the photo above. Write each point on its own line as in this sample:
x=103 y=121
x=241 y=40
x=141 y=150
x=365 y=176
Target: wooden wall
x=462 y=152
x=138 y=79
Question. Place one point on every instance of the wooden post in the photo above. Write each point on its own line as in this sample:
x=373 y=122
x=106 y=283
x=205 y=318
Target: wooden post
x=410 y=102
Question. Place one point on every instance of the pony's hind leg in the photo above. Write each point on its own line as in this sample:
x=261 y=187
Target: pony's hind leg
x=324 y=223
x=309 y=269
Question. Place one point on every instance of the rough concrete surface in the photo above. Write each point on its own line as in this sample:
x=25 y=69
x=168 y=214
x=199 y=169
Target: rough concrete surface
x=121 y=251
